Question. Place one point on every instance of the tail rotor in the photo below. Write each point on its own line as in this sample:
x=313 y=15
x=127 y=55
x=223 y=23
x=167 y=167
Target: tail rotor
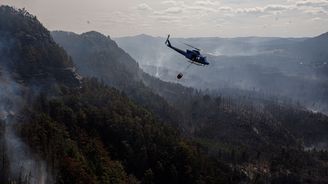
x=167 y=42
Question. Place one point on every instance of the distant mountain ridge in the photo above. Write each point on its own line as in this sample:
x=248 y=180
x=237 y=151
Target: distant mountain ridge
x=316 y=46
x=96 y=43
x=295 y=68
x=323 y=37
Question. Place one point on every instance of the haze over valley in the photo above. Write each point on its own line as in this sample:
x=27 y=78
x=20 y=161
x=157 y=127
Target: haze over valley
x=294 y=68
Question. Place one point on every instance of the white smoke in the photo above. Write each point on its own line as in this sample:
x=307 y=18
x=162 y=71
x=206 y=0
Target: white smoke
x=24 y=166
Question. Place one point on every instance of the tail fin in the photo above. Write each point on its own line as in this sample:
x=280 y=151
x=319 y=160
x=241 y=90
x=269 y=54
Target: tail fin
x=167 y=42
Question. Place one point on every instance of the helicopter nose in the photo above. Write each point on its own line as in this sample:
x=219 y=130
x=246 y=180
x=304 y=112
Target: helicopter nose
x=205 y=61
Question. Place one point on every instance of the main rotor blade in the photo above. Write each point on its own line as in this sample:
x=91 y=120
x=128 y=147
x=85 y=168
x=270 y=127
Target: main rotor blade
x=192 y=46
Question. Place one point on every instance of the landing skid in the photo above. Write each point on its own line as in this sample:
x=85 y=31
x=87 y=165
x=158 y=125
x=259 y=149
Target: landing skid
x=193 y=62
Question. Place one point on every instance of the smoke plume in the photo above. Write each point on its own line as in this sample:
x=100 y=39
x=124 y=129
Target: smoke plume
x=23 y=166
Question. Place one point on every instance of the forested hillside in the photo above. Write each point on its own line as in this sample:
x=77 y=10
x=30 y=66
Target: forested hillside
x=258 y=135
x=96 y=135
x=95 y=55
x=120 y=125
x=57 y=128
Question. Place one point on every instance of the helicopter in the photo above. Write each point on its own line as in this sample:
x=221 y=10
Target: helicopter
x=194 y=56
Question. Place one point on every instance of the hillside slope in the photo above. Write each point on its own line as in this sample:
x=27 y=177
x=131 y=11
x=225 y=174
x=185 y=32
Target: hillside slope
x=29 y=52
x=96 y=55
x=244 y=131
x=57 y=128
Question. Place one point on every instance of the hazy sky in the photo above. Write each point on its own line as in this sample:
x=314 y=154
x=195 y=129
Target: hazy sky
x=183 y=18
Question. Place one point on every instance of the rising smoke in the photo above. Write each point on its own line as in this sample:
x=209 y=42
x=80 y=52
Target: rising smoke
x=273 y=66
x=19 y=162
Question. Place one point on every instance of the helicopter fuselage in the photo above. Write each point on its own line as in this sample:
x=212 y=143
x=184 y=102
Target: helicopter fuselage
x=193 y=55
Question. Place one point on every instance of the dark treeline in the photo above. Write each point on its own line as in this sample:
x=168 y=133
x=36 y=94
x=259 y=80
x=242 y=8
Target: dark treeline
x=246 y=130
x=96 y=135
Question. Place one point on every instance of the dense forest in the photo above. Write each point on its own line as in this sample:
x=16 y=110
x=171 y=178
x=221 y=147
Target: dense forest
x=83 y=130
x=247 y=129
x=120 y=125
x=96 y=135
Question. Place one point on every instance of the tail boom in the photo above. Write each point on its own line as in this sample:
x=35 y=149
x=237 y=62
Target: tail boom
x=168 y=43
